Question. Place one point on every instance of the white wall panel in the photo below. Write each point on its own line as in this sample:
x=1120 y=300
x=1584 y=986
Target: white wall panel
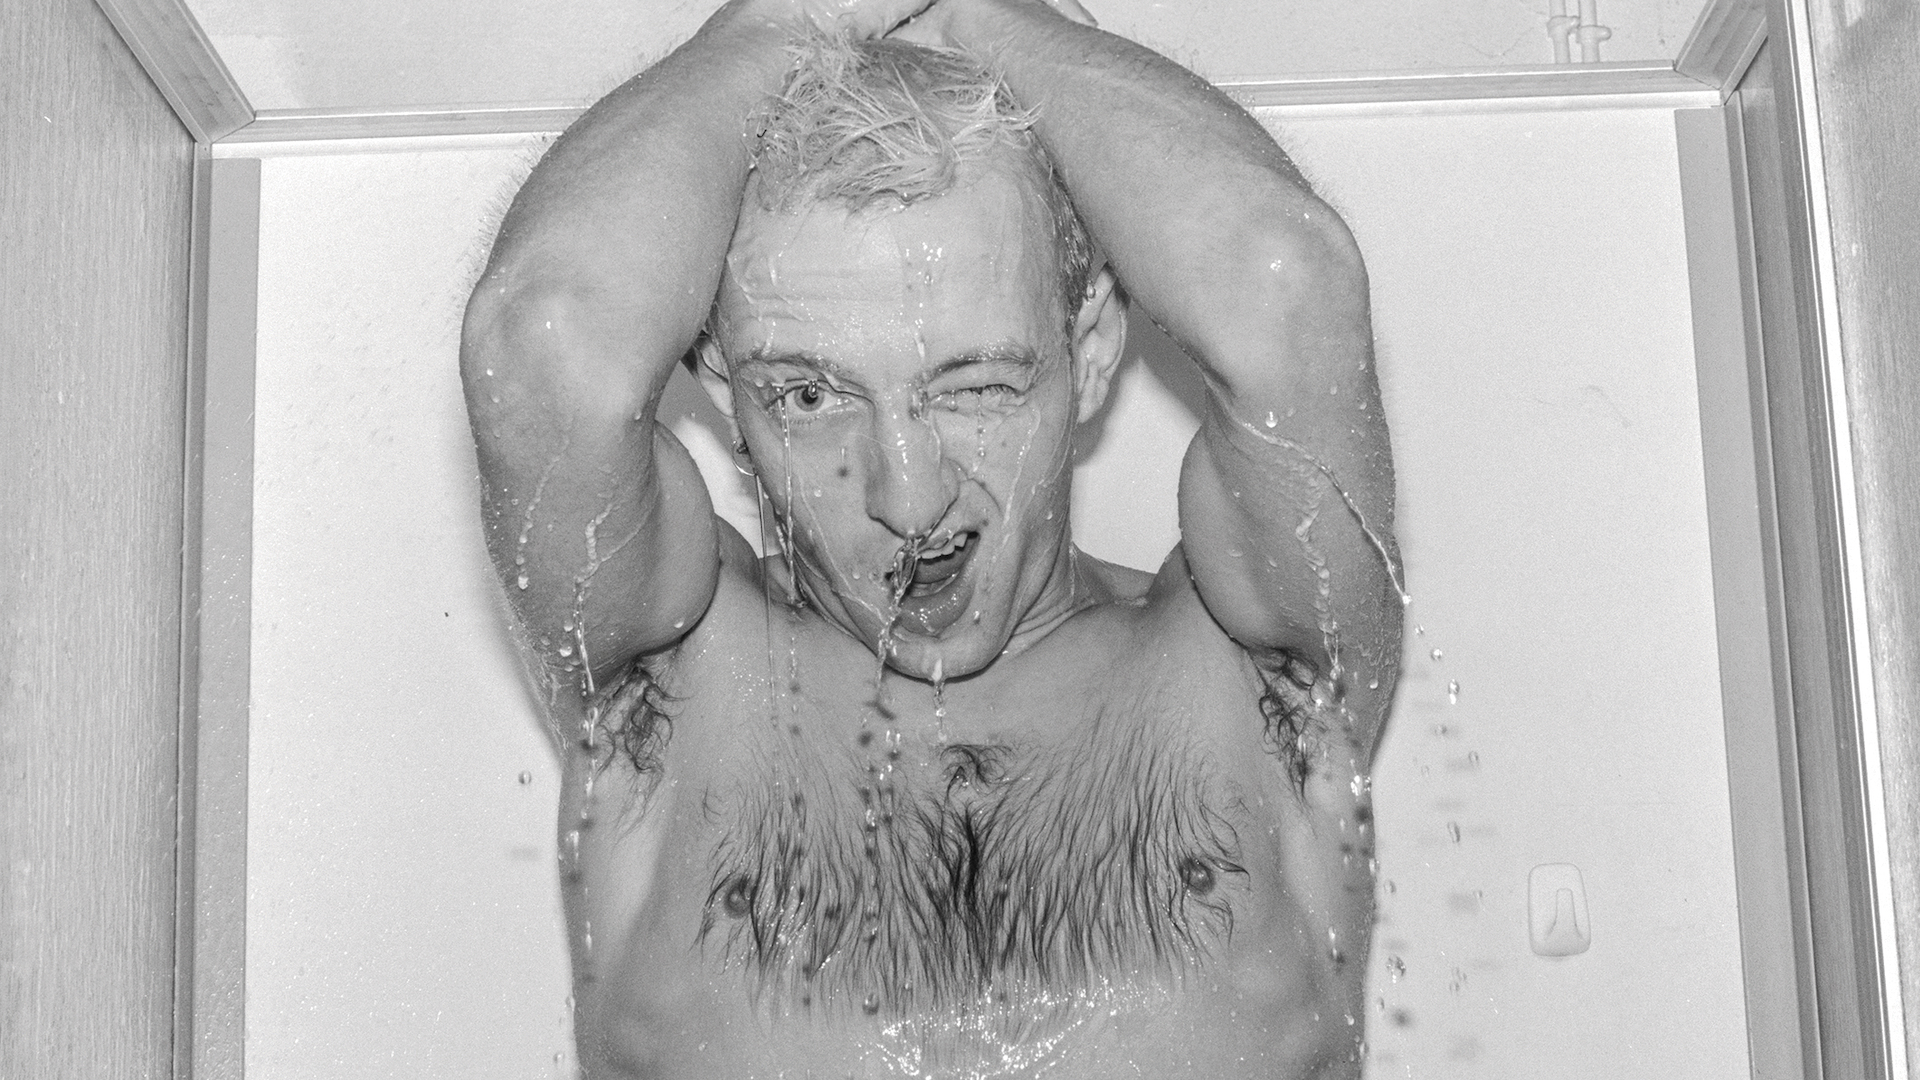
x=334 y=53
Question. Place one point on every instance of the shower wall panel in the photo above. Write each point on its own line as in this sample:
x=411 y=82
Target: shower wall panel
x=1560 y=702
x=96 y=206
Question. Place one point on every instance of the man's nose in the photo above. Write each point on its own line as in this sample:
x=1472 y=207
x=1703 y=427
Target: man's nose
x=910 y=483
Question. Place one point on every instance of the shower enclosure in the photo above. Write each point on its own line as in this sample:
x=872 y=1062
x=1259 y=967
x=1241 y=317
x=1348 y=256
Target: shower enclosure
x=1646 y=411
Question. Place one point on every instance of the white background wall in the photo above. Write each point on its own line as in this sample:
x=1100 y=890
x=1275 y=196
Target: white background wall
x=329 y=53
x=1531 y=307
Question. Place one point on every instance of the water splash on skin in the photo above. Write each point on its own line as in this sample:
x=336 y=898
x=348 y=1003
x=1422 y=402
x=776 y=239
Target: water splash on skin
x=583 y=584
x=940 y=700
x=1374 y=539
x=906 y=561
x=533 y=504
x=1009 y=523
x=795 y=559
x=1011 y=1031
x=1323 y=593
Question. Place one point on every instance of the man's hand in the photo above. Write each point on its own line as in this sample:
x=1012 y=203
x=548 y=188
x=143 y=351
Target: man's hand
x=857 y=19
x=933 y=24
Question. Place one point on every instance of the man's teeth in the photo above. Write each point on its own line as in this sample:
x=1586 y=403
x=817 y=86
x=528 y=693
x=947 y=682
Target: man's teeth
x=954 y=542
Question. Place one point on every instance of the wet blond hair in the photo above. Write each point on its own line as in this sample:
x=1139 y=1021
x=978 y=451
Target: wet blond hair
x=865 y=124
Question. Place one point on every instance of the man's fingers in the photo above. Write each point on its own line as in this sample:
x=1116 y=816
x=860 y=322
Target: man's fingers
x=1072 y=10
x=864 y=18
x=921 y=31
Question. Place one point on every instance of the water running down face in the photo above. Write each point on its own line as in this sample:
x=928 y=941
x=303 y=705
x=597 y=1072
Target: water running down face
x=907 y=391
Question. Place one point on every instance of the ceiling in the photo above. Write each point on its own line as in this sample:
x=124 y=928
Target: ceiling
x=328 y=54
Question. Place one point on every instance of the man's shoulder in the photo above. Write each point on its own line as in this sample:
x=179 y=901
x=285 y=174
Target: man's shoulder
x=1152 y=625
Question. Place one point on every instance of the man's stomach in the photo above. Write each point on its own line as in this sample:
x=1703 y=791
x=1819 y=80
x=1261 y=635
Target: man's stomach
x=1203 y=1026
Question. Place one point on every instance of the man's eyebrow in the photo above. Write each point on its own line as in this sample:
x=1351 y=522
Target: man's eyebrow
x=763 y=356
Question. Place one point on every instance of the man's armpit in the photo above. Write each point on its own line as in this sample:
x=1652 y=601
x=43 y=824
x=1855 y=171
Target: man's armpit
x=1292 y=730
x=630 y=718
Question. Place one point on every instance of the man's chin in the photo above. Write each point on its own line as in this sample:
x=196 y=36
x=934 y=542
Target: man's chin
x=938 y=659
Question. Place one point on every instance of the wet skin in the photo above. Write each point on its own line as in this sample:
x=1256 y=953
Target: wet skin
x=757 y=900
x=903 y=375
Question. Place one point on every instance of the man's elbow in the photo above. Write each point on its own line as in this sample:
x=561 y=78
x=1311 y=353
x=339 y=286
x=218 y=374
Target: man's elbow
x=1302 y=257
x=549 y=342
x=1298 y=295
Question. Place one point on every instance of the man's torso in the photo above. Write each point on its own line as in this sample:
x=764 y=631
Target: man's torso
x=1089 y=860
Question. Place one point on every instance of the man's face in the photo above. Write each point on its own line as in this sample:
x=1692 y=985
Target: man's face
x=903 y=381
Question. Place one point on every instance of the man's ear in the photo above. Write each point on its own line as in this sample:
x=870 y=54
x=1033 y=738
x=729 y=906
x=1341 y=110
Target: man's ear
x=1098 y=340
x=709 y=366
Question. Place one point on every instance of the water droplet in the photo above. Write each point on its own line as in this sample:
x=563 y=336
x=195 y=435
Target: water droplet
x=1453 y=831
x=871 y=1005
x=1436 y=654
x=1453 y=692
x=521 y=581
x=526 y=778
x=565 y=650
x=1396 y=967
x=1272 y=420
x=1420 y=630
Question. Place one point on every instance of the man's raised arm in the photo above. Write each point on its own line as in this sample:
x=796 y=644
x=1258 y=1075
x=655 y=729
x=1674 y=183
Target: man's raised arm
x=602 y=274
x=1286 y=498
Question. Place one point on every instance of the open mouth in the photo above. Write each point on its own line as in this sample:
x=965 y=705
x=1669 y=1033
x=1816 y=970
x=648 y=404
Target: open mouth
x=925 y=580
x=935 y=565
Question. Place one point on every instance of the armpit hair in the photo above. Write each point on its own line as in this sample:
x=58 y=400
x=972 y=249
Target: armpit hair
x=1286 y=706
x=630 y=713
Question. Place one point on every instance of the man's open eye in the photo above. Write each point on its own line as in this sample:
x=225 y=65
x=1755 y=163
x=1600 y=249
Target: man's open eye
x=805 y=398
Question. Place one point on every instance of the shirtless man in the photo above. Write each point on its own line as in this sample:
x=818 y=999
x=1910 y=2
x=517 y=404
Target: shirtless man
x=926 y=791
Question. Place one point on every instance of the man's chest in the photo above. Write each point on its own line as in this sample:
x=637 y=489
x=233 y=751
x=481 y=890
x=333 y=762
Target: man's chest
x=967 y=873
x=873 y=847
